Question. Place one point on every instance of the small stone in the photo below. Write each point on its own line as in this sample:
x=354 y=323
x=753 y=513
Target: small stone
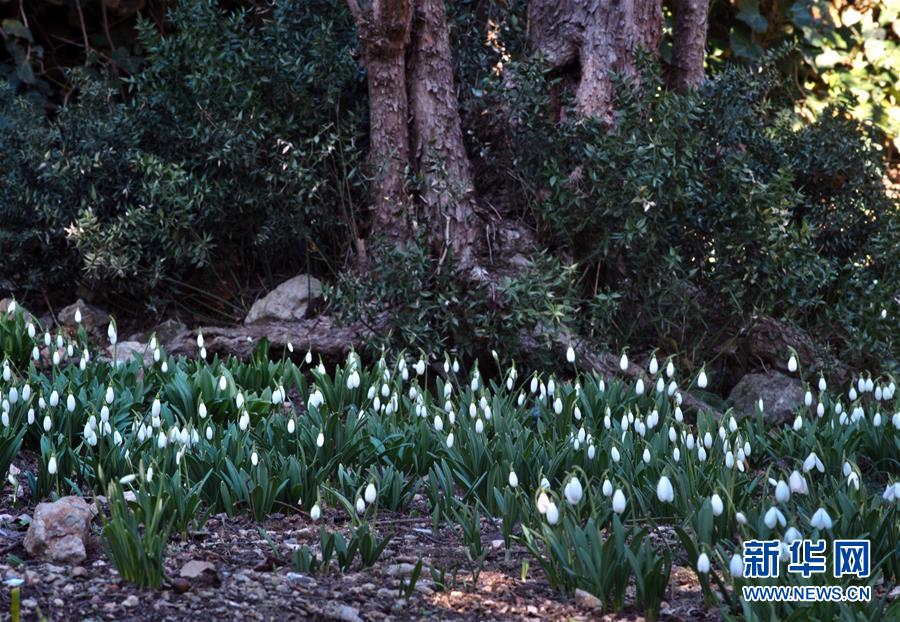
x=181 y=585
x=60 y=530
x=131 y=601
x=400 y=570
x=287 y=302
x=79 y=571
x=343 y=612
x=195 y=568
x=588 y=600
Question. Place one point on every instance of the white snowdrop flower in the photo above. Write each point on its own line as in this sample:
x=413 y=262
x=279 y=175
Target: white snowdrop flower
x=30 y=416
x=702 y=379
x=654 y=366
x=870 y=385
x=664 y=490
x=798 y=483
x=679 y=415
x=760 y=405
x=56 y=359
x=13 y=395
x=200 y=340
x=741 y=518
x=896 y=420
x=773 y=516
x=660 y=385
x=591 y=452
x=162 y=440
x=36 y=354
x=853 y=480
x=813 y=462
x=883 y=314
x=47 y=423
x=689 y=441
x=557 y=406
x=360 y=505
x=876 y=420
x=792 y=534
x=721 y=433
x=614 y=453
x=623 y=362
x=4 y=419
x=673 y=386
x=639 y=386
x=676 y=455
x=353 y=380
x=618 y=501
x=890 y=492
x=419 y=367
x=104 y=414
x=820 y=410
x=782 y=491
x=670 y=369
x=47 y=339
x=201 y=410
x=254 y=458
x=51 y=465
x=223 y=383
x=573 y=491
x=703 y=563
x=570 y=354
x=209 y=433
x=672 y=434
x=729 y=460
x=513 y=479
x=707 y=440
x=607 y=488
x=70 y=403
x=732 y=424
x=577 y=413
x=164 y=367
x=543 y=502
x=320 y=440
x=736 y=566
x=316 y=512
x=798 y=423
x=852 y=394
x=646 y=456
x=792 y=364
x=534 y=384
x=846 y=468
x=438 y=423
x=820 y=520
x=155 y=407
x=308 y=358
x=808 y=398
x=701 y=453
x=203 y=353
x=551 y=387
x=552 y=513
x=110 y=333
x=822 y=384
x=717 y=506
x=479 y=426
x=879 y=393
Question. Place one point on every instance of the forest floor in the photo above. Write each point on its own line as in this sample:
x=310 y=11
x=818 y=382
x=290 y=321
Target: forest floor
x=235 y=569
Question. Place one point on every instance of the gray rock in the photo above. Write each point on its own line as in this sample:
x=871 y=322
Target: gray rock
x=60 y=530
x=94 y=319
x=781 y=395
x=165 y=332
x=286 y=303
x=124 y=351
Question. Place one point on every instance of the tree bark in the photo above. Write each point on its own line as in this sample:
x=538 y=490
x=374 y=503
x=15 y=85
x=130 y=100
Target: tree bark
x=603 y=36
x=689 y=46
x=438 y=152
x=383 y=29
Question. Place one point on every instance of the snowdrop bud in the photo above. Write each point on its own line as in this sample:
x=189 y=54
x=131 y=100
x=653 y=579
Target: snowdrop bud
x=574 y=491
x=646 y=456
x=870 y=385
x=701 y=453
x=639 y=387
x=162 y=440
x=543 y=502
x=670 y=369
x=701 y=379
x=623 y=362
x=552 y=513
x=717 y=506
x=820 y=520
x=654 y=366
x=201 y=410
x=360 y=505
x=450 y=440
x=618 y=501
x=420 y=367
x=371 y=493
x=876 y=420
x=577 y=412
x=660 y=385
x=846 y=469
x=736 y=566
x=591 y=452
x=676 y=454
x=47 y=423
x=607 y=488
x=36 y=354
x=320 y=440
x=110 y=332
x=438 y=423
x=479 y=426
x=316 y=512
x=614 y=453
x=570 y=355
x=557 y=406
x=792 y=364
x=820 y=410
x=729 y=460
x=741 y=518
x=70 y=403
x=703 y=563
x=254 y=458
x=782 y=491
x=852 y=394
x=664 y=490
x=689 y=441
x=808 y=398
x=513 y=479
x=209 y=433
x=223 y=383
x=798 y=423
x=51 y=465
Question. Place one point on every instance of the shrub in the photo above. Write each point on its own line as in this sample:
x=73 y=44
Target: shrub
x=233 y=151
x=702 y=209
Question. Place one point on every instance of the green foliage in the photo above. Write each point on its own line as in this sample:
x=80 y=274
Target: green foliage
x=246 y=162
x=700 y=210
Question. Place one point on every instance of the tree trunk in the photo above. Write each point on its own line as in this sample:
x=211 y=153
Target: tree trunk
x=689 y=46
x=383 y=29
x=438 y=152
x=602 y=36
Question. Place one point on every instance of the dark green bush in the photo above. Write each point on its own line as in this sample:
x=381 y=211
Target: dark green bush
x=702 y=209
x=234 y=150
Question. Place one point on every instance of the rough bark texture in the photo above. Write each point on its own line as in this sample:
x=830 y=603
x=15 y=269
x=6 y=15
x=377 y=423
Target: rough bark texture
x=689 y=46
x=603 y=36
x=439 y=154
x=383 y=29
